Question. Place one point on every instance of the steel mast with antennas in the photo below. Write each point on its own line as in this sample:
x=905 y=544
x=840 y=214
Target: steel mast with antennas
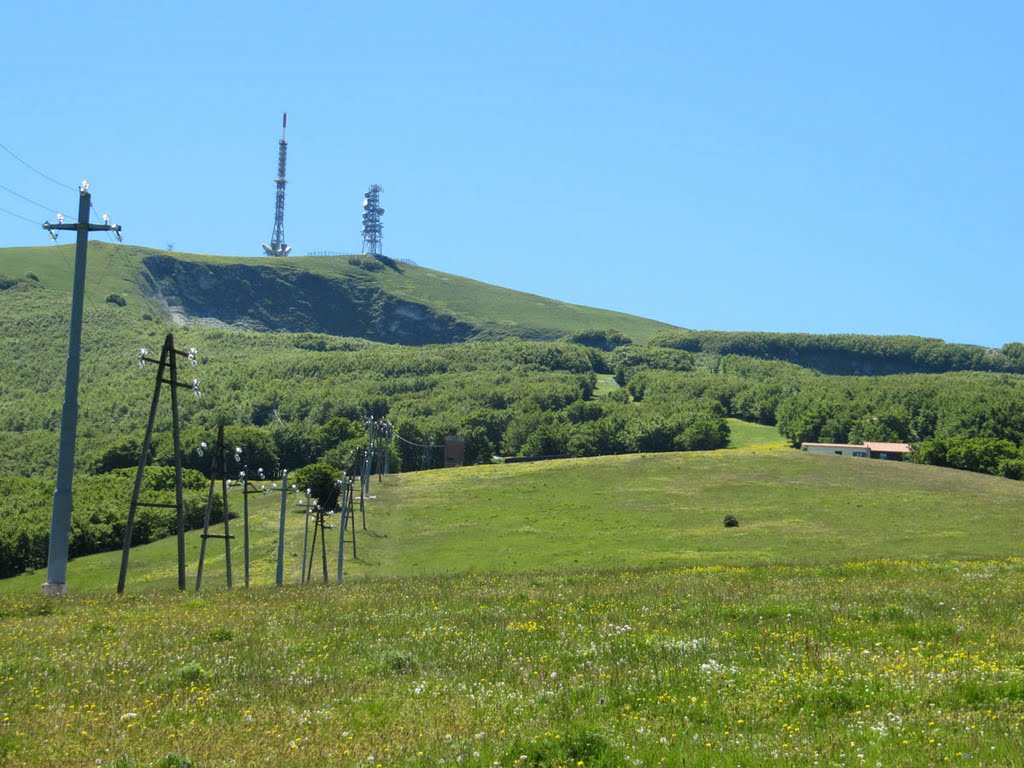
x=371 y=221
x=277 y=246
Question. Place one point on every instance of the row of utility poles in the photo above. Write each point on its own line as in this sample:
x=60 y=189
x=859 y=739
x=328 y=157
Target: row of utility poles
x=223 y=465
x=377 y=457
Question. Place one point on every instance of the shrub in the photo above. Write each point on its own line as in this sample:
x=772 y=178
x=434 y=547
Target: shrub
x=321 y=479
x=599 y=339
x=368 y=263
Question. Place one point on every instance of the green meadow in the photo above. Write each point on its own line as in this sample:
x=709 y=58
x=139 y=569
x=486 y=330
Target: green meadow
x=576 y=612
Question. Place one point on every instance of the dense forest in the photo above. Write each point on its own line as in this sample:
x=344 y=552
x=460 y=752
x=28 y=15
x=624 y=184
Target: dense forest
x=851 y=354
x=292 y=400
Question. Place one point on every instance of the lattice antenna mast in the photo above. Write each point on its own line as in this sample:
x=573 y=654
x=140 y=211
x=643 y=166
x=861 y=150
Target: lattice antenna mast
x=371 y=221
x=277 y=246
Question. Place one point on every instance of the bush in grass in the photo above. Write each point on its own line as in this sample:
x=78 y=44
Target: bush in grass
x=399 y=662
x=578 y=747
x=322 y=481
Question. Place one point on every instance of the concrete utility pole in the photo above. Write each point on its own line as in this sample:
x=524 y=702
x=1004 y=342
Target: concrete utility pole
x=60 y=519
x=280 y=531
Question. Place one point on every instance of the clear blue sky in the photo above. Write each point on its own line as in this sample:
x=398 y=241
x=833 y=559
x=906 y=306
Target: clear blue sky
x=787 y=166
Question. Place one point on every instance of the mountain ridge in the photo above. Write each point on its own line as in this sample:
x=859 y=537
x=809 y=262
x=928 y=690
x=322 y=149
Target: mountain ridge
x=357 y=295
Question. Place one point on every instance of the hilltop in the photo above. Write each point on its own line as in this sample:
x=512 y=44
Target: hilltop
x=355 y=296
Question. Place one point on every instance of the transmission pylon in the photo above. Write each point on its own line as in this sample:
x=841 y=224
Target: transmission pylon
x=167 y=373
x=218 y=471
x=319 y=525
x=346 y=496
x=277 y=246
x=371 y=221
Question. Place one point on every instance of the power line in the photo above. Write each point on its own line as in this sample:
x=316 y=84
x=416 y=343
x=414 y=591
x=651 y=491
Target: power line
x=19 y=216
x=27 y=199
x=36 y=170
x=417 y=445
x=121 y=250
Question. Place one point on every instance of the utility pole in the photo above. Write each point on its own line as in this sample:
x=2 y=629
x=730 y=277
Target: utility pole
x=280 y=531
x=60 y=519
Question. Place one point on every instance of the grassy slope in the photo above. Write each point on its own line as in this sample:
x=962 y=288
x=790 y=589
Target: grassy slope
x=745 y=434
x=697 y=663
x=787 y=656
x=113 y=269
x=656 y=510
x=629 y=512
x=110 y=269
x=899 y=665
x=487 y=306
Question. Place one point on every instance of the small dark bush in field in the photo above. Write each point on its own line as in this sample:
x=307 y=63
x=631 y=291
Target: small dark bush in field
x=731 y=521
x=400 y=662
x=221 y=634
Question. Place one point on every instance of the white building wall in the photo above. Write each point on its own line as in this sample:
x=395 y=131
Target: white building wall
x=835 y=449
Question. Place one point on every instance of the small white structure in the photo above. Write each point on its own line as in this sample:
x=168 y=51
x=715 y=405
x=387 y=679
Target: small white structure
x=866 y=450
x=838 y=449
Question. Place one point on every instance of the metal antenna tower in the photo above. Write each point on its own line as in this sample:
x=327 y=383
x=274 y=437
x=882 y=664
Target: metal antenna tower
x=277 y=246
x=371 y=221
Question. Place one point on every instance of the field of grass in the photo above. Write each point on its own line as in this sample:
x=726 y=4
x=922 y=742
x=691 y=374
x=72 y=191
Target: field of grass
x=668 y=509
x=581 y=612
x=745 y=434
x=637 y=511
x=605 y=383
x=894 y=664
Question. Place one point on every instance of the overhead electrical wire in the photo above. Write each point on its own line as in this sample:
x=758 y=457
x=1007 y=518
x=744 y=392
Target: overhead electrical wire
x=418 y=445
x=116 y=242
x=19 y=216
x=121 y=251
x=36 y=170
x=27 y=199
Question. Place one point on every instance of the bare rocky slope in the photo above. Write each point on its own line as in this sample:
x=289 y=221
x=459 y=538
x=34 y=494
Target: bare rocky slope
x=260 y=297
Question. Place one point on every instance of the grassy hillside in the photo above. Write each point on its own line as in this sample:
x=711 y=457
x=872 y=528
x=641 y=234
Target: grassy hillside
x=623 y=512
x=668 y=509
x=268 y=294
x=898 y=664
x=584 y=612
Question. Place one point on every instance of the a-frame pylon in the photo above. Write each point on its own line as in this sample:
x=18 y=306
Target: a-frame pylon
x=167 y=373
x=219 y=471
